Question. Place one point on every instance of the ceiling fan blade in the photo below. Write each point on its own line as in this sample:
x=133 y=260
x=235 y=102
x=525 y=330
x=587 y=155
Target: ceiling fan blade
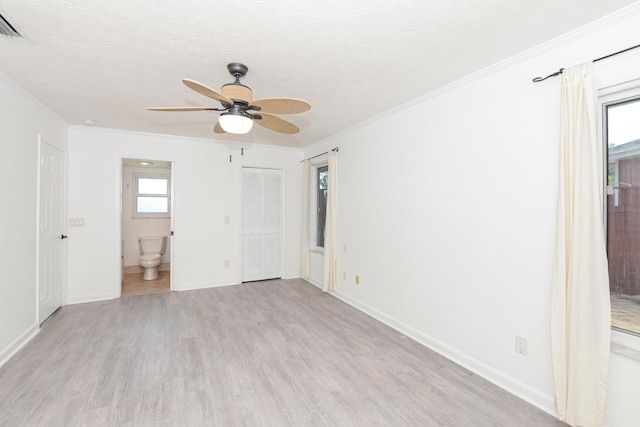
x=178 y=108
x=277 y=124
x=218 y=129
x=207 y=91
x=281 y=105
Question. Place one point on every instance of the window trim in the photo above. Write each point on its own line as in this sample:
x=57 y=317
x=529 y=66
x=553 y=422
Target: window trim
x=319 y=170
x=622 y=341
x=136 y=194
x=626 y=340
x=313 y=208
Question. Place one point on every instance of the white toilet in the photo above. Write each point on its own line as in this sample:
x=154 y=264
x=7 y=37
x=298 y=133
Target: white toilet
x=151 y=250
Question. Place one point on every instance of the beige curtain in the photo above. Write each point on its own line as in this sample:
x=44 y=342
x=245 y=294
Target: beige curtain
x=331 y=230
x=305 y=261
x=580 y=306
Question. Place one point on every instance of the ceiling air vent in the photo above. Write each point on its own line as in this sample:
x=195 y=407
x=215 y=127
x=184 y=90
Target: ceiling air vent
x=6 y=29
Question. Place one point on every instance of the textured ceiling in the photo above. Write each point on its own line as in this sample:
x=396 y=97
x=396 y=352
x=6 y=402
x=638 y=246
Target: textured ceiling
x=109 y=60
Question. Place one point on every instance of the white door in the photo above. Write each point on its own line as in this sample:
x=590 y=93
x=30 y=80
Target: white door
x=261 y=224
x=51 y=230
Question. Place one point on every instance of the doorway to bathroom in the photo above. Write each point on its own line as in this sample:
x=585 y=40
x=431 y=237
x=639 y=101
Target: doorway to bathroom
x=146 y=226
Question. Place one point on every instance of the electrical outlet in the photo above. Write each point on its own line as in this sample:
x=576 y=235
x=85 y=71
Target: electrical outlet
x=226 y=263
x=522 y=346
x=357 y=279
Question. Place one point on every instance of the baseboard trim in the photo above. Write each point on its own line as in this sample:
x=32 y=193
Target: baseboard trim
x=92 y=298
x=206 y=285
x=18 y=343
x=318 y=284
x=513 y=386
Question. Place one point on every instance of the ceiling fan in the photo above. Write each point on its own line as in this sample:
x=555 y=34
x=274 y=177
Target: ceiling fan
x=240 y=109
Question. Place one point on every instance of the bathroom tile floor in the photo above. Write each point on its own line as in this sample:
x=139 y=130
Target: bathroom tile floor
x=625 y=312
x=132 y=284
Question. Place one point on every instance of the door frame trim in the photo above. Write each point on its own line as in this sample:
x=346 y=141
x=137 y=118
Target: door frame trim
x=117 y=285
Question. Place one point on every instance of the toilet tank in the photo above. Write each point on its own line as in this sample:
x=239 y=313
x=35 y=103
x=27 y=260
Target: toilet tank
x=152 y=244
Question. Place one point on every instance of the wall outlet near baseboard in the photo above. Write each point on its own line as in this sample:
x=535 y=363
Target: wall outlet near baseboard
x=357 y=279
x=522 y=346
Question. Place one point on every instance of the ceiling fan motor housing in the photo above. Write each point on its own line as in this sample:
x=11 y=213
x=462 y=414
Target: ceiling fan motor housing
x=238 y=91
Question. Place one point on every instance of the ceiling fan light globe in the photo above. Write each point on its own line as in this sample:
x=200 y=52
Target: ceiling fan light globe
x=235 y=123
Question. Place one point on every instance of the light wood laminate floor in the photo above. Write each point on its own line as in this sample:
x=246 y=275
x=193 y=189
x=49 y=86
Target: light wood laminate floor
x=276 y=353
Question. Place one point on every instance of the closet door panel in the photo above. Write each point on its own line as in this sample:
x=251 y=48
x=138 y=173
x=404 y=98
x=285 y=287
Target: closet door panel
x=272 y=260
x=272 y=223
x=252 y=257
x=261 y=224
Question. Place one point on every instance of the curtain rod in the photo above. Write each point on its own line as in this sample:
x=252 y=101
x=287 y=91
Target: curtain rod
x=321 y=154
x=557 y=73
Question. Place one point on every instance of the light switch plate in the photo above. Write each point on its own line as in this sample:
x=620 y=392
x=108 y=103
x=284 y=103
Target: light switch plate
x=76 y=222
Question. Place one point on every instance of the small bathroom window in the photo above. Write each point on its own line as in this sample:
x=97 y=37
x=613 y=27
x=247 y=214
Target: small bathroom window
x=151 y=195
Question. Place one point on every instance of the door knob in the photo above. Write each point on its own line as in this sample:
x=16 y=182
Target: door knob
x=63 y=237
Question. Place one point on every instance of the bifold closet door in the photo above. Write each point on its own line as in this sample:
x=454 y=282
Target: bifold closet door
x=261 y=224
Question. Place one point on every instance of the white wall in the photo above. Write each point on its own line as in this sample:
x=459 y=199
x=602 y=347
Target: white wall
x=447 y=211
x=465 y=232
x=132 y=228
x=22 y=119
x=207 y=189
